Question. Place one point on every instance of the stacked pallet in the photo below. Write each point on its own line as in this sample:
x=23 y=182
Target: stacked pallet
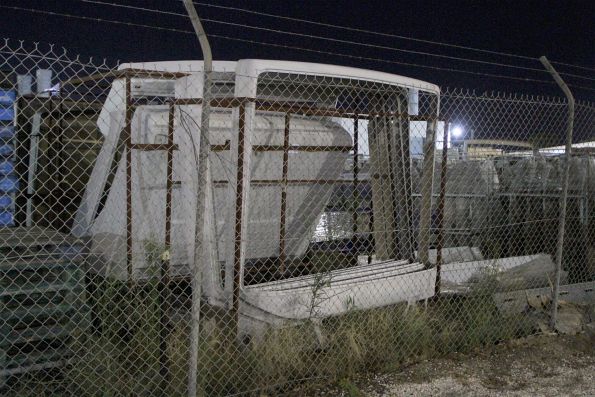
x=41 y=299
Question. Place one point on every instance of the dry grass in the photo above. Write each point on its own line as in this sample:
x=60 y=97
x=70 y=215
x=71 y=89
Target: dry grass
x=121 y=356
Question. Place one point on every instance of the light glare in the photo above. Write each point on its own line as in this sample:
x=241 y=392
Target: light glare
x=457 y=131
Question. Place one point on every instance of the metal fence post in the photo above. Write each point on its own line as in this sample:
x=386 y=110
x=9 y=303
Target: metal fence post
x=440 y=209
x=427 y=191
x=203 y=156
x=564 y=193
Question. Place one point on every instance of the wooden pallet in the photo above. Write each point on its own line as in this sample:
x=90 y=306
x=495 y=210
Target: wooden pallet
x=42 y=302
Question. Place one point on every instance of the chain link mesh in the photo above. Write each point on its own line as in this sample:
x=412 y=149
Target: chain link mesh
x=344 y=221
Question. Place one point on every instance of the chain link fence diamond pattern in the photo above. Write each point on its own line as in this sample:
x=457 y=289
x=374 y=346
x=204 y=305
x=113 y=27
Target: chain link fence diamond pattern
x=353 y=221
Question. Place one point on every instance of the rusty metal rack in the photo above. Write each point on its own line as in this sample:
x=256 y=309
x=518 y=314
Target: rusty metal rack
x=288 y=108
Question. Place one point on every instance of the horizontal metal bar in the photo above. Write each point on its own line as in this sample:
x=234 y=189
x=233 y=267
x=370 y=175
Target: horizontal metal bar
x=279 y=148
x=379 y=176
x=297 y=108
x=304 y=148
x=93 y=142
x=300 y=108
x=290 y=181
x=500 y=142
x=537 y=195
x=498 y=195
x=228 y=102
x=188 y=101
x=221 y=148
x=153 y=146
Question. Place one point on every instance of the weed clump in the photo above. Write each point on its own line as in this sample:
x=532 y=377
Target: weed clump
x=121 y=356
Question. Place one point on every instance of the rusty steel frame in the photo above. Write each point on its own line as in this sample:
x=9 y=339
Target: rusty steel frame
x=289 y=181
x=240 y=102
x=165 y=260
x=299 y=108
x=164 y=281
x=298 y=148
x=285 y=170
x=154 y=146
x=237 y=265
x=259 y=105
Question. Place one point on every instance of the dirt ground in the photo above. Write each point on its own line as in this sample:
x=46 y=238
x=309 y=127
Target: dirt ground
x=544 y=365
x=534 y=366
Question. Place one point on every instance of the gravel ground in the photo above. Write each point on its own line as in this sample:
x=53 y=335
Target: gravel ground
x=535 y=366
x=542 y=365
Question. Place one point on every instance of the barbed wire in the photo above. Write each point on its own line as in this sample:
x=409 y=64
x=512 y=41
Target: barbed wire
x=96 y=19
x=384 y=34
x=335 y=40
x=377 y=59
x=263 y=43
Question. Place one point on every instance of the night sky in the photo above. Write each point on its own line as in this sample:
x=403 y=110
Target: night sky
x=562 y=30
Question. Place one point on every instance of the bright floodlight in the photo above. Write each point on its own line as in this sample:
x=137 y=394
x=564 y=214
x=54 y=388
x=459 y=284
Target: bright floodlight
x=457 y=131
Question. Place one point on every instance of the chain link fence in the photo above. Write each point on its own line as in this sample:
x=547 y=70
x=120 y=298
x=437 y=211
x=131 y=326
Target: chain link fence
x=342 y=221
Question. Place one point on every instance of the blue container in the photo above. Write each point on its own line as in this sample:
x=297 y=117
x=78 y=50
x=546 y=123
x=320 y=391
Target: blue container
x=6 y=167
x=6 y=219
x=7 y=132
x=7 y=97
x=6 y=113
x=6 y=150
x=5 y=201
x=8 y=184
